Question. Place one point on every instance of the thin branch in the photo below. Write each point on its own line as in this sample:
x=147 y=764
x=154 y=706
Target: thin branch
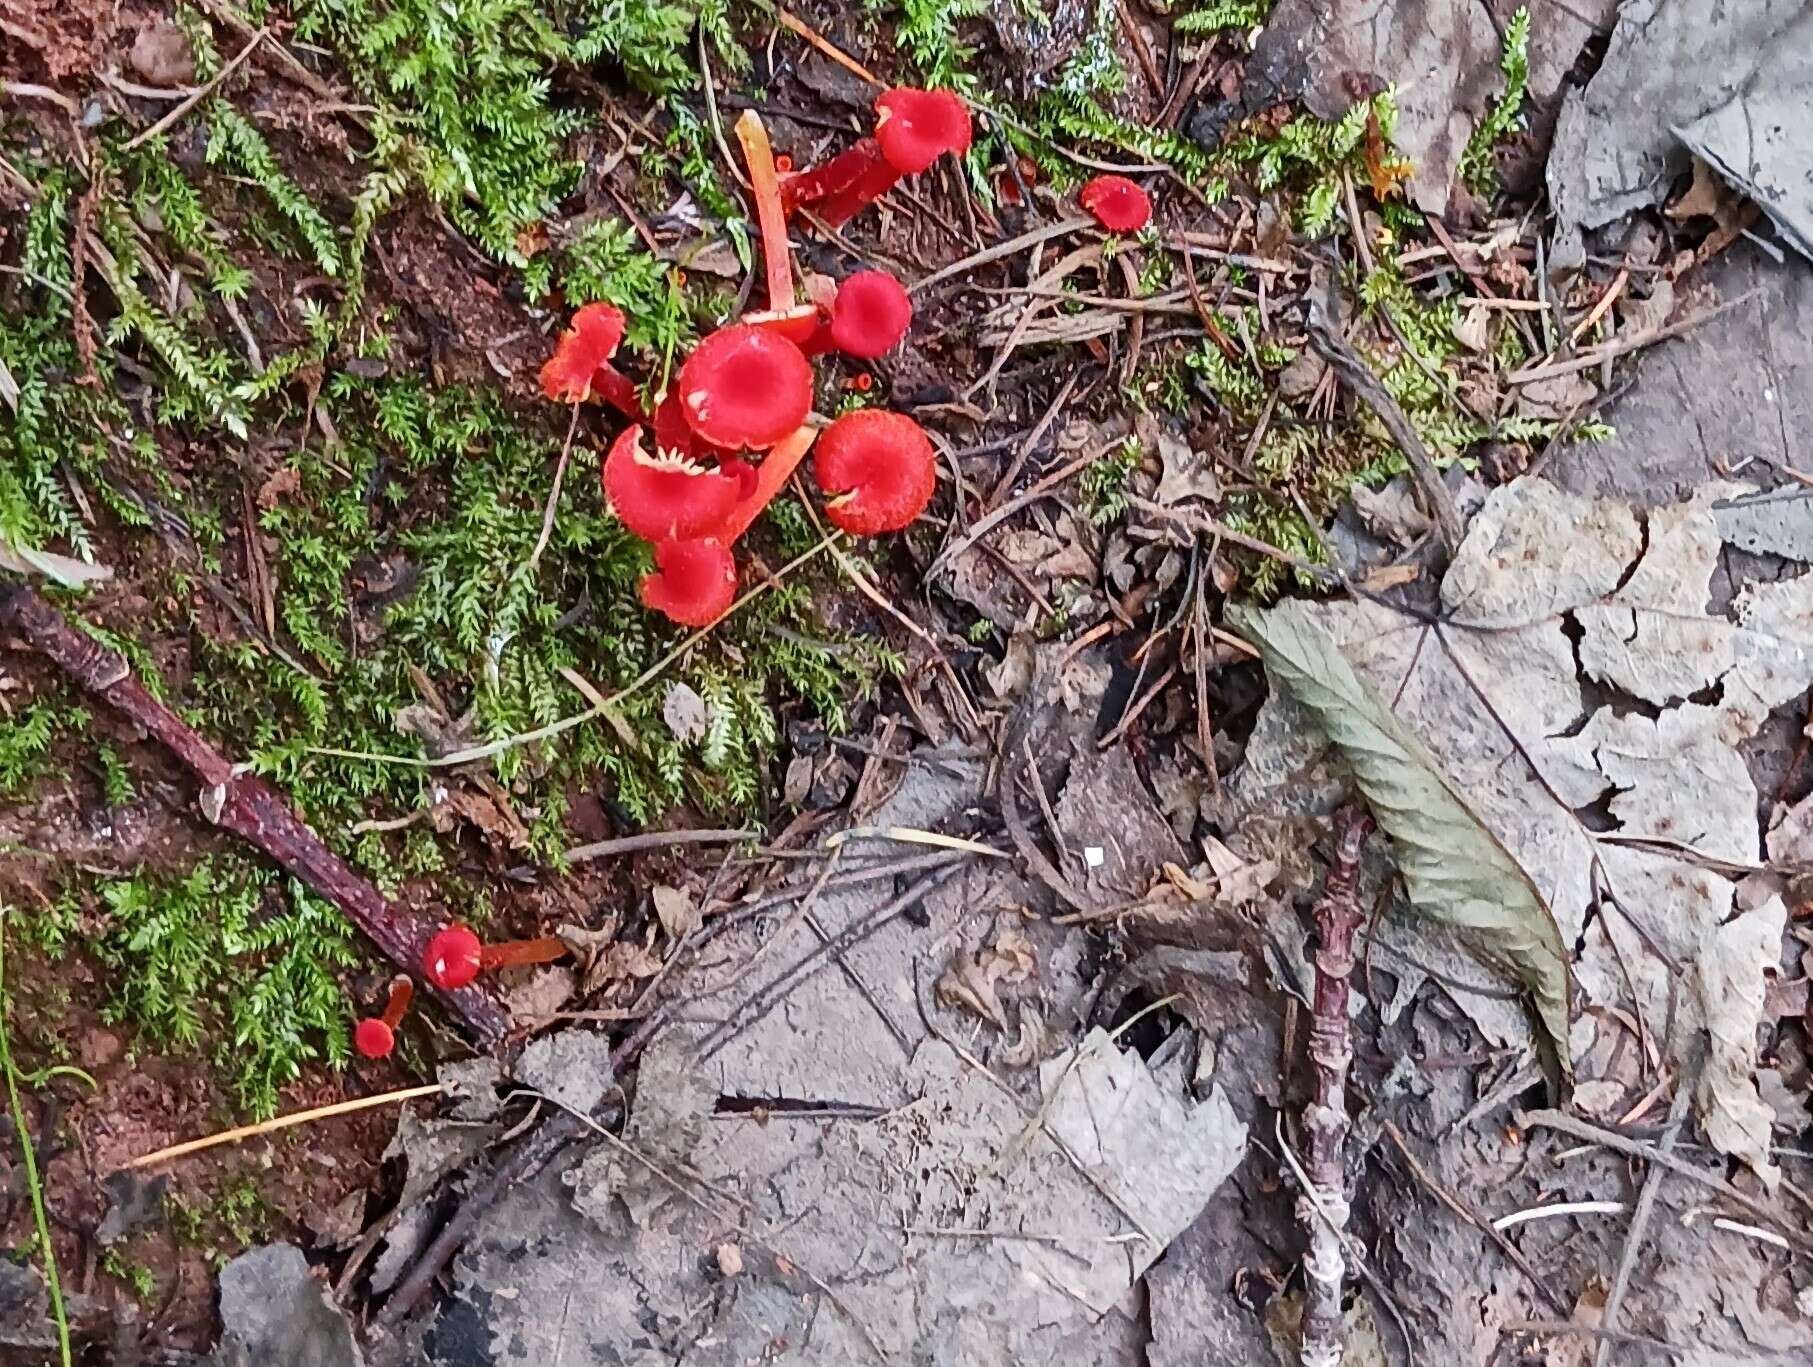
x=238 y=801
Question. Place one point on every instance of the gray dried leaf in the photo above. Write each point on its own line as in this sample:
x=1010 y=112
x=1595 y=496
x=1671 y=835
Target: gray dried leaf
x=685 y=713
x=1457 y=872
x=678 y=913
x=63 y=570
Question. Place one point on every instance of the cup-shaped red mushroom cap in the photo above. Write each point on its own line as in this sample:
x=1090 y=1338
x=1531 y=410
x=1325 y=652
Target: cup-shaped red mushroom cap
x=665 y=495
x=745 y=387
x=588 y=343
x=916 y=127
x=1118 y=204
x=694 y=582
x=373 y=1038
x=452 y=958
x=871 y=315
x=878 y=469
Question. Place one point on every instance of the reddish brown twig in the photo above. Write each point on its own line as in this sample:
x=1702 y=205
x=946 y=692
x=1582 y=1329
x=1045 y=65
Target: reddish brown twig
x=1324 y=1208
x=242 y=803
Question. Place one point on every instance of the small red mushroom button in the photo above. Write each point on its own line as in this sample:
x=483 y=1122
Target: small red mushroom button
x=376 y=1036
x=877 y=469
x=1118 y=204
x=745 y=388
x=455 y=956
x=581 y=368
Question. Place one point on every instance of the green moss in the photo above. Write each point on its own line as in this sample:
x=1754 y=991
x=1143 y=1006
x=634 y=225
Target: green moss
x=1506 y=114
x=230 y=959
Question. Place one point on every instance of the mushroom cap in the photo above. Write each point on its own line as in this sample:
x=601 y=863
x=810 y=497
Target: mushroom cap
x=797 y=324
x=452 y=958
x=373 y=1038
x=588 y=343
x=878 y=468
x=871 y=315
x=916 y=127
x=1118 y=204
x=745 y=387
x=694 y=582
x=665 y=495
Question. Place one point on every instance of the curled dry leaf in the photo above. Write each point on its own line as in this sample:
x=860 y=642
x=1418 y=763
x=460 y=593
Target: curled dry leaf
x=972 y=981
x=678 y=913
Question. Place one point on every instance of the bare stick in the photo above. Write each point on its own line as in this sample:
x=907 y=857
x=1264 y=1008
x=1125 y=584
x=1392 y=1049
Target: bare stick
x=1639 y=1224
x=283 y=1122
x=242 y=803
x=1324 y=1209
x=163 y=124
x=1328 y=343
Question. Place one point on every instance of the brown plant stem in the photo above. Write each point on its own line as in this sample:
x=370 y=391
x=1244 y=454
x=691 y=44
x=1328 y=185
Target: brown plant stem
x=1324 y=1208
x=242 y=803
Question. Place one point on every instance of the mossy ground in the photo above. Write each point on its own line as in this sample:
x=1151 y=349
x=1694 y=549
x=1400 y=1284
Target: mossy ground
x=274 y=365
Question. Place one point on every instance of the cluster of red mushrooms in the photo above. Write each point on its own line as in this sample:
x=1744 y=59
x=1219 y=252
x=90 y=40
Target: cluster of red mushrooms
x=693 y=472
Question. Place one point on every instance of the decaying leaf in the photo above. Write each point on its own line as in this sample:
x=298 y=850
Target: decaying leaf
x=1457 y=871
x=1550 y=593
x=972 y=980
x=679 y=914
x=59 y=569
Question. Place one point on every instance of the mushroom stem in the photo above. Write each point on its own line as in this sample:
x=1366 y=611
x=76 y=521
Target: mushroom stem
x=828 y=178
x=401 y=990
x=771 y=477
x=515 y=953
x=619 y=391
x=771 y=216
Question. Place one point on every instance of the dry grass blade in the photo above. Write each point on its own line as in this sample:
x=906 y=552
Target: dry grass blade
x=283 y=1122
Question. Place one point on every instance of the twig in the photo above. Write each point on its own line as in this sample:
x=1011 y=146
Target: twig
x=1472 y=1217
x=239 y=801
x=1639 y=1222
x=531 y=1153
x=1544 y=370
x=1337 y=917
x=1564 y=1123
x=654 y=840
x=765 y=998
x=597 y=709
x=1589 y=1331
x=201 y=93
x=1011 y=247
x=1326 y=340
x=827 y=47
x=553 y=508
x=282 y=1122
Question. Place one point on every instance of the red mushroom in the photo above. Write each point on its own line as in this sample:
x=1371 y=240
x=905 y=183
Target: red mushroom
x=376 y=1036
x=581 y=368
x=913 y=128
x=455 y=957
x=694 y=582
x=1118 y=204
x=665 y=495
x=878 y=469
x=871 y=315
x=745 y=387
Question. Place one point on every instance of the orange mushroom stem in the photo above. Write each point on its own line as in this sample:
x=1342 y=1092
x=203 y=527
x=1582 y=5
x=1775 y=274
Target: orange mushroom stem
x=376 y=1036
x=771 y=216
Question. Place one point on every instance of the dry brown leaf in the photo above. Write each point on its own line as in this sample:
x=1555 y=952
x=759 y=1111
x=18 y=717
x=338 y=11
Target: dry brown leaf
x=973 y=981
x=678 y=913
